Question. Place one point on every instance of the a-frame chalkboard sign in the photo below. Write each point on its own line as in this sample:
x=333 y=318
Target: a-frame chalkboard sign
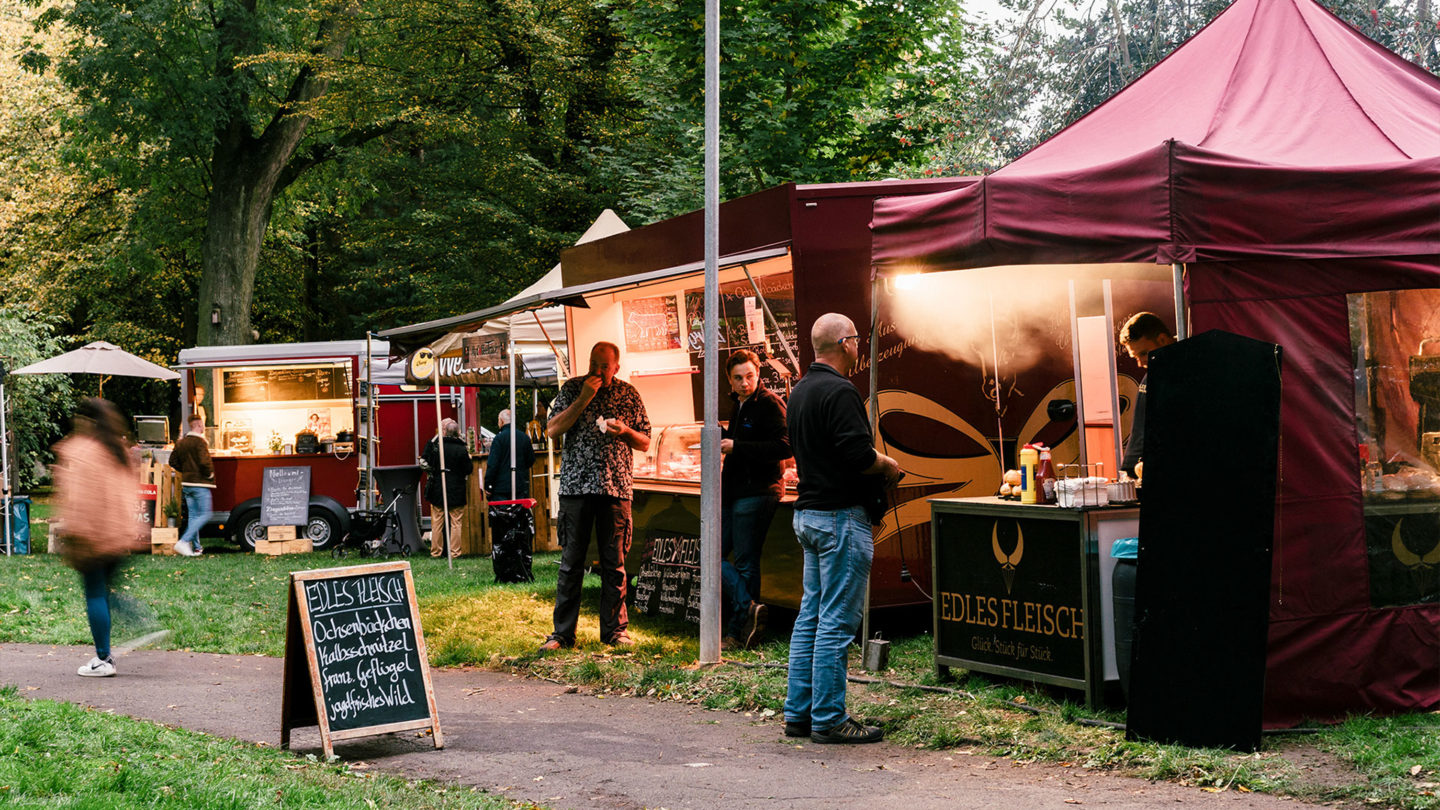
x=355 y=661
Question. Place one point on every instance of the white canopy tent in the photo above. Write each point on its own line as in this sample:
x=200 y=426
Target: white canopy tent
x=538 y=335
x=98 y=357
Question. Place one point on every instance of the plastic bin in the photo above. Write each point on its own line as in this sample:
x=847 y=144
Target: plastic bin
x=19 y=525
x=1122 y=597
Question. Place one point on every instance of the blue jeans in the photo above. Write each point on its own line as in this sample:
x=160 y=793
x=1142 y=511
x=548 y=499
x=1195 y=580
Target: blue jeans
x=743 y=526
x=838 y=550
x=197 y=510
x=97 y=604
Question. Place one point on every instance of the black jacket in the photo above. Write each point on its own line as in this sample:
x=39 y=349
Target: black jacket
x=497 y=468
x=752 y=467
x=457 y=468
x=832 y=442
x=1135 y=445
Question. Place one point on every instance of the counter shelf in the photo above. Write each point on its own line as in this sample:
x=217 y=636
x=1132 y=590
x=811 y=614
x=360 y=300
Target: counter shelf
x=1023 y=590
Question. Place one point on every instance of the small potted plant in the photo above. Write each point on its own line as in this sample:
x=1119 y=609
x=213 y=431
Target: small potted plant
x=172 y=512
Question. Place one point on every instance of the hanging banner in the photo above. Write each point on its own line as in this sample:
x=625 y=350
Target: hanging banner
x=479 y=360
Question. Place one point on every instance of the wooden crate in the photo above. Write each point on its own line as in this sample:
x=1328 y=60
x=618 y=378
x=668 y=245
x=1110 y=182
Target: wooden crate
x=475 y=522
x=162 y=541
x=277 y=547
x=546 y=532
x=274 y=533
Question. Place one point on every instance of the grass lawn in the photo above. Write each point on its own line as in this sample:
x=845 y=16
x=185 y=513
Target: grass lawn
x=235 y=603
x=60 y=755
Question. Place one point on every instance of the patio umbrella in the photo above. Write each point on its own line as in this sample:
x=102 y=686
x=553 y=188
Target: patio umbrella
x=105 y=359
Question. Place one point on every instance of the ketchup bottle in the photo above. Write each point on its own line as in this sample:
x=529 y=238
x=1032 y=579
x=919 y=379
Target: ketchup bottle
x=1045 y=476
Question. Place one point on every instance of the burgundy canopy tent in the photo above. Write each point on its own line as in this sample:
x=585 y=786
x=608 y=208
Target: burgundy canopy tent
x=1283 y=163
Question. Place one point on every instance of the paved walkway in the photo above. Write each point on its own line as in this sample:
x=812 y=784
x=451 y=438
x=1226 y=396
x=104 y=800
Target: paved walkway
x=541 y=742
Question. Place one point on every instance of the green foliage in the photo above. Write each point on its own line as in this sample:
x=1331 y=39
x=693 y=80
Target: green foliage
x=811 y=91
x=37 y=403
x=438 y=161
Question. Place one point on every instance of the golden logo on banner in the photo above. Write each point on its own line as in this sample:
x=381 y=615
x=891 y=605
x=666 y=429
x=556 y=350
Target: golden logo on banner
x=1008 y=562
x=1408 y=558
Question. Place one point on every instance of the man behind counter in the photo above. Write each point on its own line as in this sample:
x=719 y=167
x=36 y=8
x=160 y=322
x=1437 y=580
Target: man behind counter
x=1143 y=333
x=754 y=444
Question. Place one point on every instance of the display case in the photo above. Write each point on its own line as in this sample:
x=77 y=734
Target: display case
x=674 y=457
x=674 y=454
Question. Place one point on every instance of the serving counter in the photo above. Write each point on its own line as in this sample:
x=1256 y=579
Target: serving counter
x=1023 y=590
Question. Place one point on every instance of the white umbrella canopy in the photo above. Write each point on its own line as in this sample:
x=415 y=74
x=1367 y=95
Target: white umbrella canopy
x=102 y=358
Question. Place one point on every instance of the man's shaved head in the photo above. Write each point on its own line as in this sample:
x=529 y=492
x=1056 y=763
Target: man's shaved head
x=828 y=329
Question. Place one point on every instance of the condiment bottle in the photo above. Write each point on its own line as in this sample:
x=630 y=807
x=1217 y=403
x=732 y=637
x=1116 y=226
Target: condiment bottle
x=1045 y=474
x=1029 y=486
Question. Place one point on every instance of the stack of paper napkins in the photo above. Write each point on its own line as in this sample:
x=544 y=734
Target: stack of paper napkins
x=1073 y=493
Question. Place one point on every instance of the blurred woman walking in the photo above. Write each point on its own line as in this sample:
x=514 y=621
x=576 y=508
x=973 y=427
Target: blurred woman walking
x=98 y=486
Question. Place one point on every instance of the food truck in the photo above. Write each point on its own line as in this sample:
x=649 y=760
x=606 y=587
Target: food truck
x=335 y=407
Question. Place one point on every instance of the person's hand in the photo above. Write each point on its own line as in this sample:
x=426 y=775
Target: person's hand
x=726 y=445
x=590 y=387
x=892 y=472
x=614 y=427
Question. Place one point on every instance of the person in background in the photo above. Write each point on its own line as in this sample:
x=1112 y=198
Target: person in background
x=1142 y=333
x=603 y=421
x=497 y=467
x=445 y=530
x=840 y=475
x=197 y=406
x=191 y=457
x=754 y=445
x=536 y=429
x=512 y=526
x=98 y=500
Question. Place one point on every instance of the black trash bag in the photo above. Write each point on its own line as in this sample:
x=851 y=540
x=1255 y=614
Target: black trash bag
x=512 y=537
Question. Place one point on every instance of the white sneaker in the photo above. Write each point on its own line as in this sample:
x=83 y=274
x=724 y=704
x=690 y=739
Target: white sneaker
x=98 y=669
x=184 y=549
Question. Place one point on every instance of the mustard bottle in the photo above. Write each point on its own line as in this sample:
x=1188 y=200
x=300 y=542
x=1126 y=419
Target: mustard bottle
x=1029 y=486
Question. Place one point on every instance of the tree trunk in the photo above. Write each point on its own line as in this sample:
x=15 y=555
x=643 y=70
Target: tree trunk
x=247 y=172
x=238 y=215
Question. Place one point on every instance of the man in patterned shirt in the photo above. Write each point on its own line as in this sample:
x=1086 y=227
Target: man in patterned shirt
x=602 y=420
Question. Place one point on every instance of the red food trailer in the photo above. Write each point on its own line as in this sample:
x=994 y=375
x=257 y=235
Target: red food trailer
x=335 y=407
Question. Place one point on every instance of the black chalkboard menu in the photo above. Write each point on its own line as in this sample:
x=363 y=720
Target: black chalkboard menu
x=669 y=578
x=355 y=658
x=285 y=496
x=286 y=383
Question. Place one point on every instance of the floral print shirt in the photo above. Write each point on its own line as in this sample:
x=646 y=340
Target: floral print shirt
x=595 y=463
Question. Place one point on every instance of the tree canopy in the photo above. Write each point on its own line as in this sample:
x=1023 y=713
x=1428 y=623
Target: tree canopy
x=190 y=171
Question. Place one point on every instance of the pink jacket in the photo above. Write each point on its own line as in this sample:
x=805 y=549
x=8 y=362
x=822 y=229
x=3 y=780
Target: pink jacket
x=99 y=502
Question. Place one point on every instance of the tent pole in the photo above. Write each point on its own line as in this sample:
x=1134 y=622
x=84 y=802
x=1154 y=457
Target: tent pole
x=513 y=491
x=710 y=435
x=1119 y=447
x=875 y=428
x=1182 y=323
x=789 y=352
x=560 y=365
